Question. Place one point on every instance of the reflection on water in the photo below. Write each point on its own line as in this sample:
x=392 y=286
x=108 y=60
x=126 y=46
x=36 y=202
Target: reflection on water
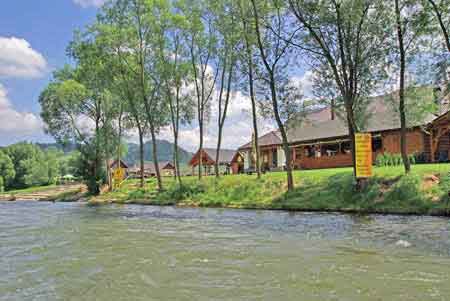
x=75 y=252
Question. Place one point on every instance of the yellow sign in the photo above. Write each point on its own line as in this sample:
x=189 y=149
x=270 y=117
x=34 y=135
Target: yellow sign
x=363 y=144
x=118 y=175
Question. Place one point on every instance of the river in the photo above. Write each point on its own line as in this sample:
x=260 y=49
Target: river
x=57 y=251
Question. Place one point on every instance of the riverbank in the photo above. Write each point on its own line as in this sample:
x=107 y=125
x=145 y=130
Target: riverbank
x=51 y=193
x=425 y=191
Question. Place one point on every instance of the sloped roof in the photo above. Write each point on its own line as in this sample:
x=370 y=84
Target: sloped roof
x=225 y=155
x=113 y=164
x=149 y=167
x=317 y=125
x=271 y=138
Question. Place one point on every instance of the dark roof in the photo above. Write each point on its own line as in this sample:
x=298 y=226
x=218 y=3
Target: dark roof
x=225 y=155
x=113 y=164
x=380 y=119
x=317 y=125
x=149 y=167
x=271 y=138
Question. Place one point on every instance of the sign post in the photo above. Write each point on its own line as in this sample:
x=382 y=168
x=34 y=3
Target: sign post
x=363 y=155
x=118 y=176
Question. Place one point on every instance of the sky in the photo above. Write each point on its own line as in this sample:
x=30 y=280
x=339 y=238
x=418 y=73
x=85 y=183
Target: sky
x=33 y=40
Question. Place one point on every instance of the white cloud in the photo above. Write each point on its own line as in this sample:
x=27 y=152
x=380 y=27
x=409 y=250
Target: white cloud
x=237 y=130
x=305 y=82
x=14 y=122
x=87 y=3
x=18 y=59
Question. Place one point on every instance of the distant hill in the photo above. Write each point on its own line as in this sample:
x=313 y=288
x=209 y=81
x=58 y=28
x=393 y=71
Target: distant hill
x=66 y=148
x=165 y=151
x=164 y=148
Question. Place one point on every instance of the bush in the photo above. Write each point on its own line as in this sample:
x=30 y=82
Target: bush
x=388 y=159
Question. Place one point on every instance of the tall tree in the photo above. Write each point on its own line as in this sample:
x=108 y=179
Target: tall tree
x=130 y=27
x=409 y=19
x=273 y=49
x=349 y=38
x=441 y=10
x=73 y=112
x=247 y=60
x=175 y=72
x=228 y=37
x=201 y=41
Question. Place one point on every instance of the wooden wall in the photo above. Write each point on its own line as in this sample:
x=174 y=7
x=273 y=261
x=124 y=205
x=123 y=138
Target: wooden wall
x=414 y=142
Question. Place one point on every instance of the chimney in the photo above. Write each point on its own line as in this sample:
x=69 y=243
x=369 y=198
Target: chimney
x=332 y=109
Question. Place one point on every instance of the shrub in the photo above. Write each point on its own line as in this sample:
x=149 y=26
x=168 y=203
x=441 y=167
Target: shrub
x=388 y=159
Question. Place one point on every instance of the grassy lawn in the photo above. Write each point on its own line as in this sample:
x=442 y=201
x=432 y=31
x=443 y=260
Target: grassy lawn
x=64 y=193
x=424 y=191
x=31 y=189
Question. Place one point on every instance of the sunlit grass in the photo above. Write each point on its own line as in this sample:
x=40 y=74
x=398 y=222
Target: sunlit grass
x=325 y=189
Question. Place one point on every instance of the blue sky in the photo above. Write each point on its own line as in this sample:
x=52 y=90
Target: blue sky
x=33 y=33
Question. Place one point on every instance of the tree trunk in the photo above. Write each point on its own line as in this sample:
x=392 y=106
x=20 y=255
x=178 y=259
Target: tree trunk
x=200 y=159
x=155 y=158
x=141 y=154
x=290 y=181
x=177 y=159
x=219 y=138
x=248 y=50
x=255 y=124
x=222 y=118
x=402 y=52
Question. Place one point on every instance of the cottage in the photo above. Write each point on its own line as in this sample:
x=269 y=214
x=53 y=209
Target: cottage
x=230 y=161
x=320 y=140
x=166 y=169
x=116 y=163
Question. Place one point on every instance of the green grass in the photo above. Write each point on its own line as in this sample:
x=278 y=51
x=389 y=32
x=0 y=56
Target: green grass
x=388 y=191
x=31 y=189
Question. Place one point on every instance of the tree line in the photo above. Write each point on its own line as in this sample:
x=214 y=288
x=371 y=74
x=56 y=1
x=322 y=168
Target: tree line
x=146 y=65
x=24 y=165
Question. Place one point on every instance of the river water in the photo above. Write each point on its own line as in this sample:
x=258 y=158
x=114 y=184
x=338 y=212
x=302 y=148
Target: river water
x=75 y=252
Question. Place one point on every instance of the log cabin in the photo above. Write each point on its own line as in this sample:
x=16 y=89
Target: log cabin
x=166 y=168
x=320 y=139
x=230 y=161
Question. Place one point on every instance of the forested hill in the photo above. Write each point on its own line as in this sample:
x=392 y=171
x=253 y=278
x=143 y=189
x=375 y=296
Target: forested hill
x=165 y=151
x=164 y=148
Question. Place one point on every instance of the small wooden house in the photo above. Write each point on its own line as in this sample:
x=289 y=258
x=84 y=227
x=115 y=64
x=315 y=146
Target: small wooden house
x=166 y=169
x=229 y=161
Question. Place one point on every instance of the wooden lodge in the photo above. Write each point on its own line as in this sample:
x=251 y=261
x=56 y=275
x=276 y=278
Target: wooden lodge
x=166 y=168
x=230 y=161
x=320 y=140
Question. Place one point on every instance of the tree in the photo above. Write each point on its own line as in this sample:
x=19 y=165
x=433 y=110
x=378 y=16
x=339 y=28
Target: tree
x=175 y=72
x=273 y=49
x=409 y=19
x=226 y=24
x=441 y=11
x=247 y=54
x=128 y=27
x=348 y=40
x=7 y=172
x=74 y=113
x=201 y=40
x=30 y=167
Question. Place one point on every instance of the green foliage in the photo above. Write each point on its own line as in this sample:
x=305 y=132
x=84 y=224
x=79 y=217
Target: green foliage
x=388 y=159
x=24 y=165
x=7 y=172
x=389 y=191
